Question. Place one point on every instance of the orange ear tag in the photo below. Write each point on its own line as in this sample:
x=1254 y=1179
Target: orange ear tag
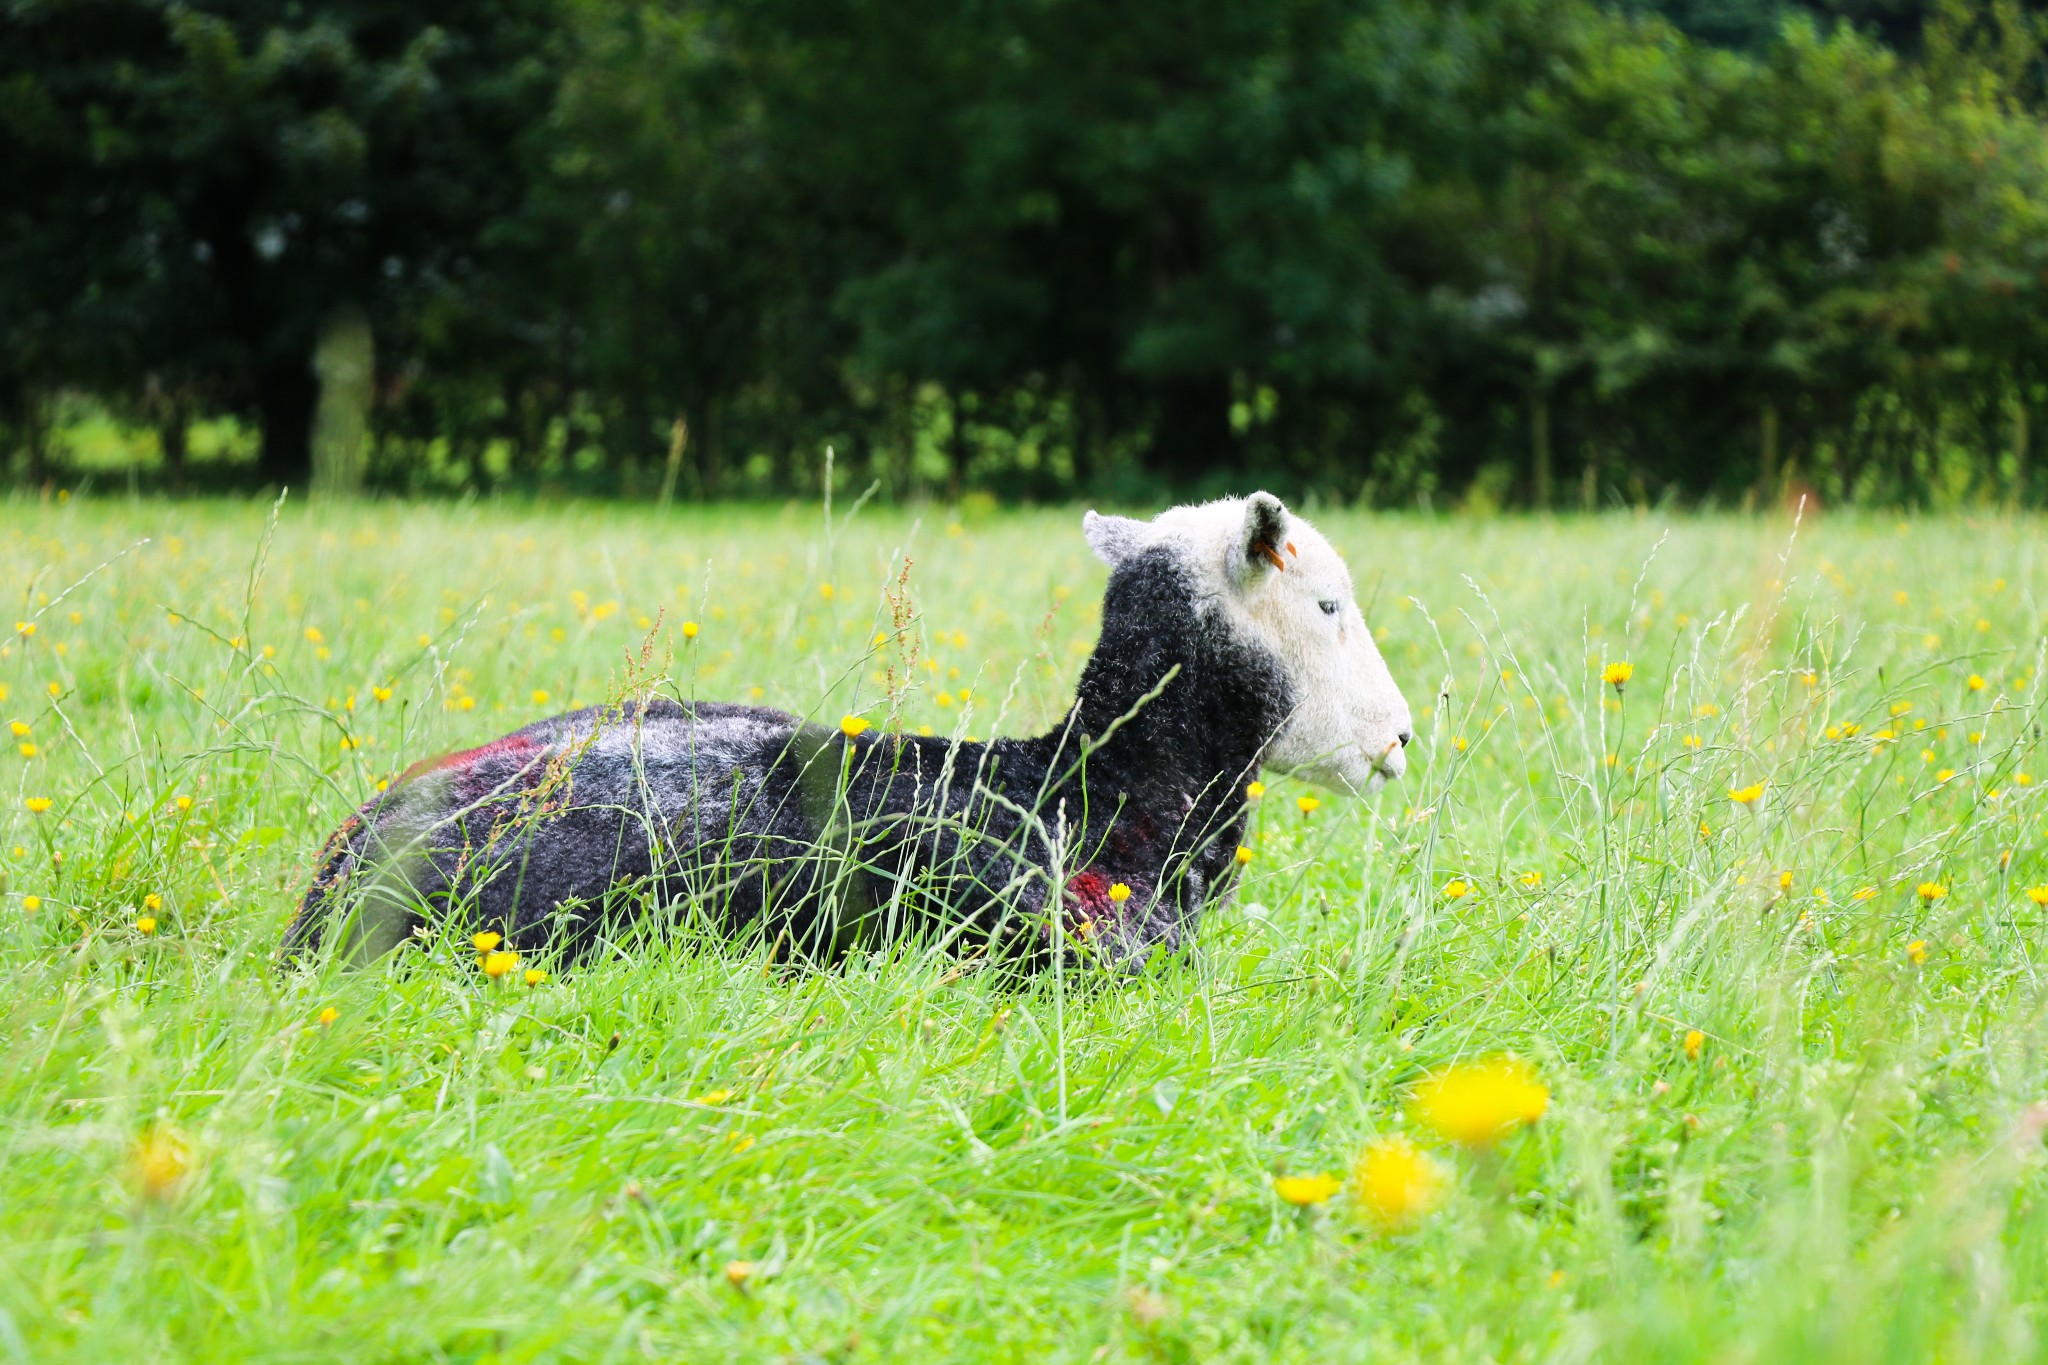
x=1269 y=552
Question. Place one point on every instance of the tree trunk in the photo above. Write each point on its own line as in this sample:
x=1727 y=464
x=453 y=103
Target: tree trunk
x=173 y=438
x=956 y=450
x=1767 y=437
x=286 y=392
x=345 y=361
x=1541 y=470
x=2021 y=438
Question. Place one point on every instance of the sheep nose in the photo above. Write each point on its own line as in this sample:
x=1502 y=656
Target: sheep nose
x=1404 y=737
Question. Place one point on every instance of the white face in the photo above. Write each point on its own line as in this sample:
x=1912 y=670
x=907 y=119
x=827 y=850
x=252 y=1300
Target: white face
x=1280 y=584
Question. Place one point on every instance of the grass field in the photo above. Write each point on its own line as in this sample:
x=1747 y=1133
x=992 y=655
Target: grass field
x=1794 y=1046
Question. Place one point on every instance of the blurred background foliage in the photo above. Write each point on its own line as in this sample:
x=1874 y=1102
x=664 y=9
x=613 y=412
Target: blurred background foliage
x=1387 y=251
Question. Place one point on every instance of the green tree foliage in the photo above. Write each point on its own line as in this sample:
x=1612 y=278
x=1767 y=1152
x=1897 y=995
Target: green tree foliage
x=194 y=187
x=1378 y=247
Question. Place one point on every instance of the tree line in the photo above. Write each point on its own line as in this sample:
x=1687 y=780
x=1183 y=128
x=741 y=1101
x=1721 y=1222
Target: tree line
x=1534 y=251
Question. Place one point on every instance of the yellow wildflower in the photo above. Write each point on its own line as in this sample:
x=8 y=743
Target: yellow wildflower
x=1244 y=855
x=152 y=902
x=1307 y=804
x=487 y=940
x=1916 y=951
x=1532 y=879
x=1932 y=891
x=328 y=1016
x=1744 y=796
x=1457 y=888
x=146 y=925
x=1255 y=790
x=31 y=903
x=1616 y=675
x=689 y=630
x=19 y=727
x=1395 y=1184
x=853 y=726
x=1304 y=1190
x=540 y=696
x=495 y=965
x=28 y=749
x=159 y=1163
x=37 y=804
x=1694 y=1041
x=1976 y=682
x=2038 y=894
x=1477 y=1103
x=534 y=976
x=1864 y=893
x=713 y=1097
x=1119 y=893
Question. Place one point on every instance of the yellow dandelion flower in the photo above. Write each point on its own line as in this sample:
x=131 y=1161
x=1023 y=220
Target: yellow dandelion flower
x=535 y=976
x=1809 y=678
x=540 y=696
x=713 y=1097
x=1304 y=1190
x=1900 y=708
x=1745 y=796
x=827 y=591
x=1616 y=675
x=1784 y=881
x=1694 y=1041
x=1255 y=790
x=1244 y=855
x=1944 y=774
x=853 y=727
x=19 y=727
x=495 y=965
x=1395 y=1184
x=690 y=630
x=1916 y=951
x=31 y=903
x=1932 y=891
x=1307 y=804
x=328 y=1016
x=24 y=628
x=487 y=940
x=28 y=750
x=381 y=693
x=1692 y=741
x=37 y=804
x=1863 y=893
x=1976 y=682
x=2038 y=894
x=152 y=902
x=183 y=803
x=1119 y=893
x=737 y=1273
x=1532 y=879
x=146 y=925
x=1478 y=1103
x=1457 y=888
x=159 y=1163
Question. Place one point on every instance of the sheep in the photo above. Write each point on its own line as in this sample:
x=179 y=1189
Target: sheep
x=1230 y=642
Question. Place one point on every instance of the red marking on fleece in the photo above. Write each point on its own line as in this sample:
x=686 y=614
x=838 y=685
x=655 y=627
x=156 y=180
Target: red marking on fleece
x=1090 y=889
x=511 y=746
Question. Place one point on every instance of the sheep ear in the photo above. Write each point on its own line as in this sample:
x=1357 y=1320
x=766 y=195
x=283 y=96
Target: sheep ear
x=1261 y=543
x=1114 y=539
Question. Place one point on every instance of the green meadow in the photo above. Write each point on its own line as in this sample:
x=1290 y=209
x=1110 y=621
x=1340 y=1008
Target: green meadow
x=1793 y=1043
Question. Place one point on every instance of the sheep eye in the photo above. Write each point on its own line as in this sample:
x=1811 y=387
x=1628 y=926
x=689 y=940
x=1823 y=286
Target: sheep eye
x=1329 y=608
